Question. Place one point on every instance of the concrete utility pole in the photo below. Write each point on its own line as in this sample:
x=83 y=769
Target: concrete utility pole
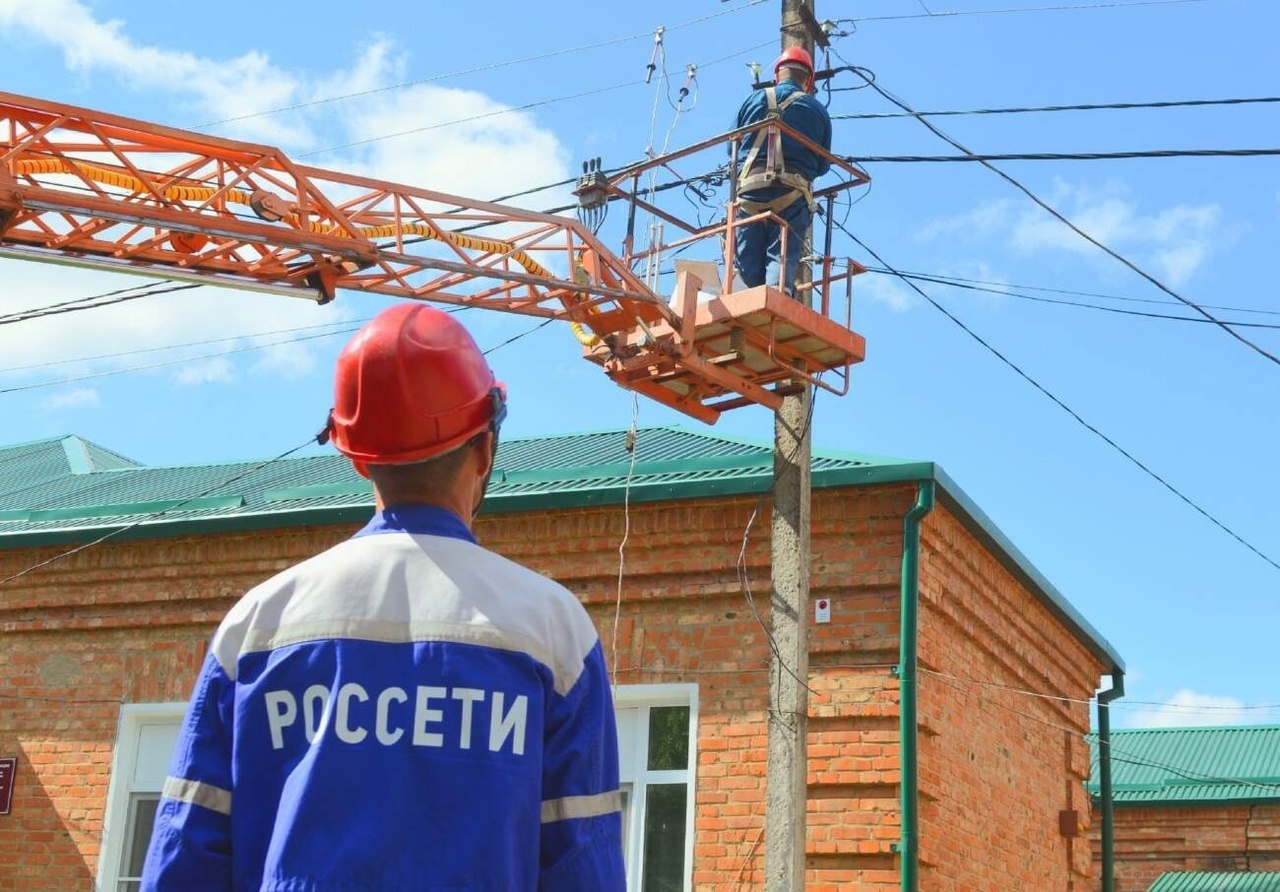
x=788 y=762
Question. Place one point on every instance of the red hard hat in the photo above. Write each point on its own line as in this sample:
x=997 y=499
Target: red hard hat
x=795 y=55
x=409 y=386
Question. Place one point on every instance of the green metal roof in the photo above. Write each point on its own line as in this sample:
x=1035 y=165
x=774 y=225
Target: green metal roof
x=41 y=461
x=1217 y=881
x=1181 y=766
x=47 y=500
x=44 y=500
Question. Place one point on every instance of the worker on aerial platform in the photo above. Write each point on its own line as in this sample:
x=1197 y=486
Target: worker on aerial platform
x=777 y=172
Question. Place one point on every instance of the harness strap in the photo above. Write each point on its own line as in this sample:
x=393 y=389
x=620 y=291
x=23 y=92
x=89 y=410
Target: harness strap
x=774 y=171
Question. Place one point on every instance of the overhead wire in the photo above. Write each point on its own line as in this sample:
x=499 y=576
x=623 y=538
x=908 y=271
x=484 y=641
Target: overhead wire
x=478 y=69
x=1116 y=753
x=1007 y=292
x=93 y=302
x=1014 y=110
x=467 y=120
x=202 y=343
x=1070 y=411
x=156 y=515
x=632 y=445
x=984 y=159
x=1136 y=705
x=1056 y=214
x=1061 y=7
x=947 y=279
x=104 y=373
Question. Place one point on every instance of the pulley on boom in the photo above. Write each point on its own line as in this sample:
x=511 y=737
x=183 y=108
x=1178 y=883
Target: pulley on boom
x=91 y=189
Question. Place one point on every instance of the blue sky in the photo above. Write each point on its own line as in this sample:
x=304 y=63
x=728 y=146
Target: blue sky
x=1191 y=610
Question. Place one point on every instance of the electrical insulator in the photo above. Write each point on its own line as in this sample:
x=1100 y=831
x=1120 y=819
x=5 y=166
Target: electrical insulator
x=592 y=189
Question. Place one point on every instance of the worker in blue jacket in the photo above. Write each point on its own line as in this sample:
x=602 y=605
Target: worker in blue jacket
x=776 y=172
x=407 y=710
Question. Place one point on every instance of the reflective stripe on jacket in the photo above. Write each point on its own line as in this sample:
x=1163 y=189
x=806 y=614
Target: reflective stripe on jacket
x=406 y=711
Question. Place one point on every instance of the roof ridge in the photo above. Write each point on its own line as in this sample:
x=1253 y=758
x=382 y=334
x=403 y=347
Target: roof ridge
x=1184 y=729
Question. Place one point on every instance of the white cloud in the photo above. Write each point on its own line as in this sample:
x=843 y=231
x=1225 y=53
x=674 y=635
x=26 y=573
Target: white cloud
x=219 y=88
x=493 y=155
x=217 y=370
x=76 y=398
x=884 y=289
x=983 y=222
x=1189 y=708
x=1172 y=243
x=291 y=361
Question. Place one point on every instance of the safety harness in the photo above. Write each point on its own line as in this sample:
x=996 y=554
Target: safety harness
x=772 y=171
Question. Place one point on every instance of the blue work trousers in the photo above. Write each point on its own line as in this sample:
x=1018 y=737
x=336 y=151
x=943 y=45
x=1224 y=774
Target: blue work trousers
x=758 y=247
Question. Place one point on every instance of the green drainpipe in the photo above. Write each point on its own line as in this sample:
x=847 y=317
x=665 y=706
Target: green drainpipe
x=1104 y=778
x=909 y=845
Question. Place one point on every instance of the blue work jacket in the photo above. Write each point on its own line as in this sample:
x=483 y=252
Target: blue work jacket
x=806 y=115
x=406 y=712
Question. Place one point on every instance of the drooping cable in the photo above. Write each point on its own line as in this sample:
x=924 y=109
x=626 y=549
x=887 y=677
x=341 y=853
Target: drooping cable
x=1062 y=405
x=632 y=445
x=477 y=69
x=1008 y=292
x=155 y=515
x=1062 y=156
x=93 y=302
x=1016 y=110
x=1044 y=205
x=1061 y=7
x=104 y=373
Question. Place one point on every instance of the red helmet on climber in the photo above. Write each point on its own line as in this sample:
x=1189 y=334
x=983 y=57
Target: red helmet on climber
x=795 y=55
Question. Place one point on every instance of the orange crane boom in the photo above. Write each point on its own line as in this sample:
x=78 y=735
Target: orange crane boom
x=91 y=189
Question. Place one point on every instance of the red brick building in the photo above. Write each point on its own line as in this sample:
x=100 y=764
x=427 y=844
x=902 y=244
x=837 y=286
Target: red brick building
x=100 y=646
x=1196 y=809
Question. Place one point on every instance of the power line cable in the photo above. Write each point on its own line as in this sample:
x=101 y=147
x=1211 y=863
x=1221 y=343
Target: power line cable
x=1116 y=754
x=1072 y=412
x=1139 y=705
x=1005 y=292
x=1044 y=205
x=204 y=343
x=1015 y=110
x=477 y=69
x=91 y=303
x=945 y=280
x=1007 y=10
x=168 y=362
x=509 y=110
x=524 y=334
x=502 y=111
x=155 y=515
x=1059 y=156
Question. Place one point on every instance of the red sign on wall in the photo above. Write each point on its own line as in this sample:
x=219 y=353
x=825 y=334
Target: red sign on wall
x=7 y=768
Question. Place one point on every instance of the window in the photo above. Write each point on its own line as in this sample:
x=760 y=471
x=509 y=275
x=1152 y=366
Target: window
x=657 y=734
x=144 y=742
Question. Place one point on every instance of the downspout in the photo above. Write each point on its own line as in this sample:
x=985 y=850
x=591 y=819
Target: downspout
x=1104 y=778
x=908 y=847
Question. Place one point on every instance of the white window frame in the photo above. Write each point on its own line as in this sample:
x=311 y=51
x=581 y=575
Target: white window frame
x=134 y=717
x=644 y=697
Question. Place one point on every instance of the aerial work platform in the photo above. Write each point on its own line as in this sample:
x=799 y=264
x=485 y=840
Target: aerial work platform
x=751 y=346
x=96 y=190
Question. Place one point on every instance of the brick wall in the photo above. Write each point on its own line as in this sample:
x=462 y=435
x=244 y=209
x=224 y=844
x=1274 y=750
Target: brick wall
x=118 y=623
x=128 y=622
x=1151 y=841
x=997 y=765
